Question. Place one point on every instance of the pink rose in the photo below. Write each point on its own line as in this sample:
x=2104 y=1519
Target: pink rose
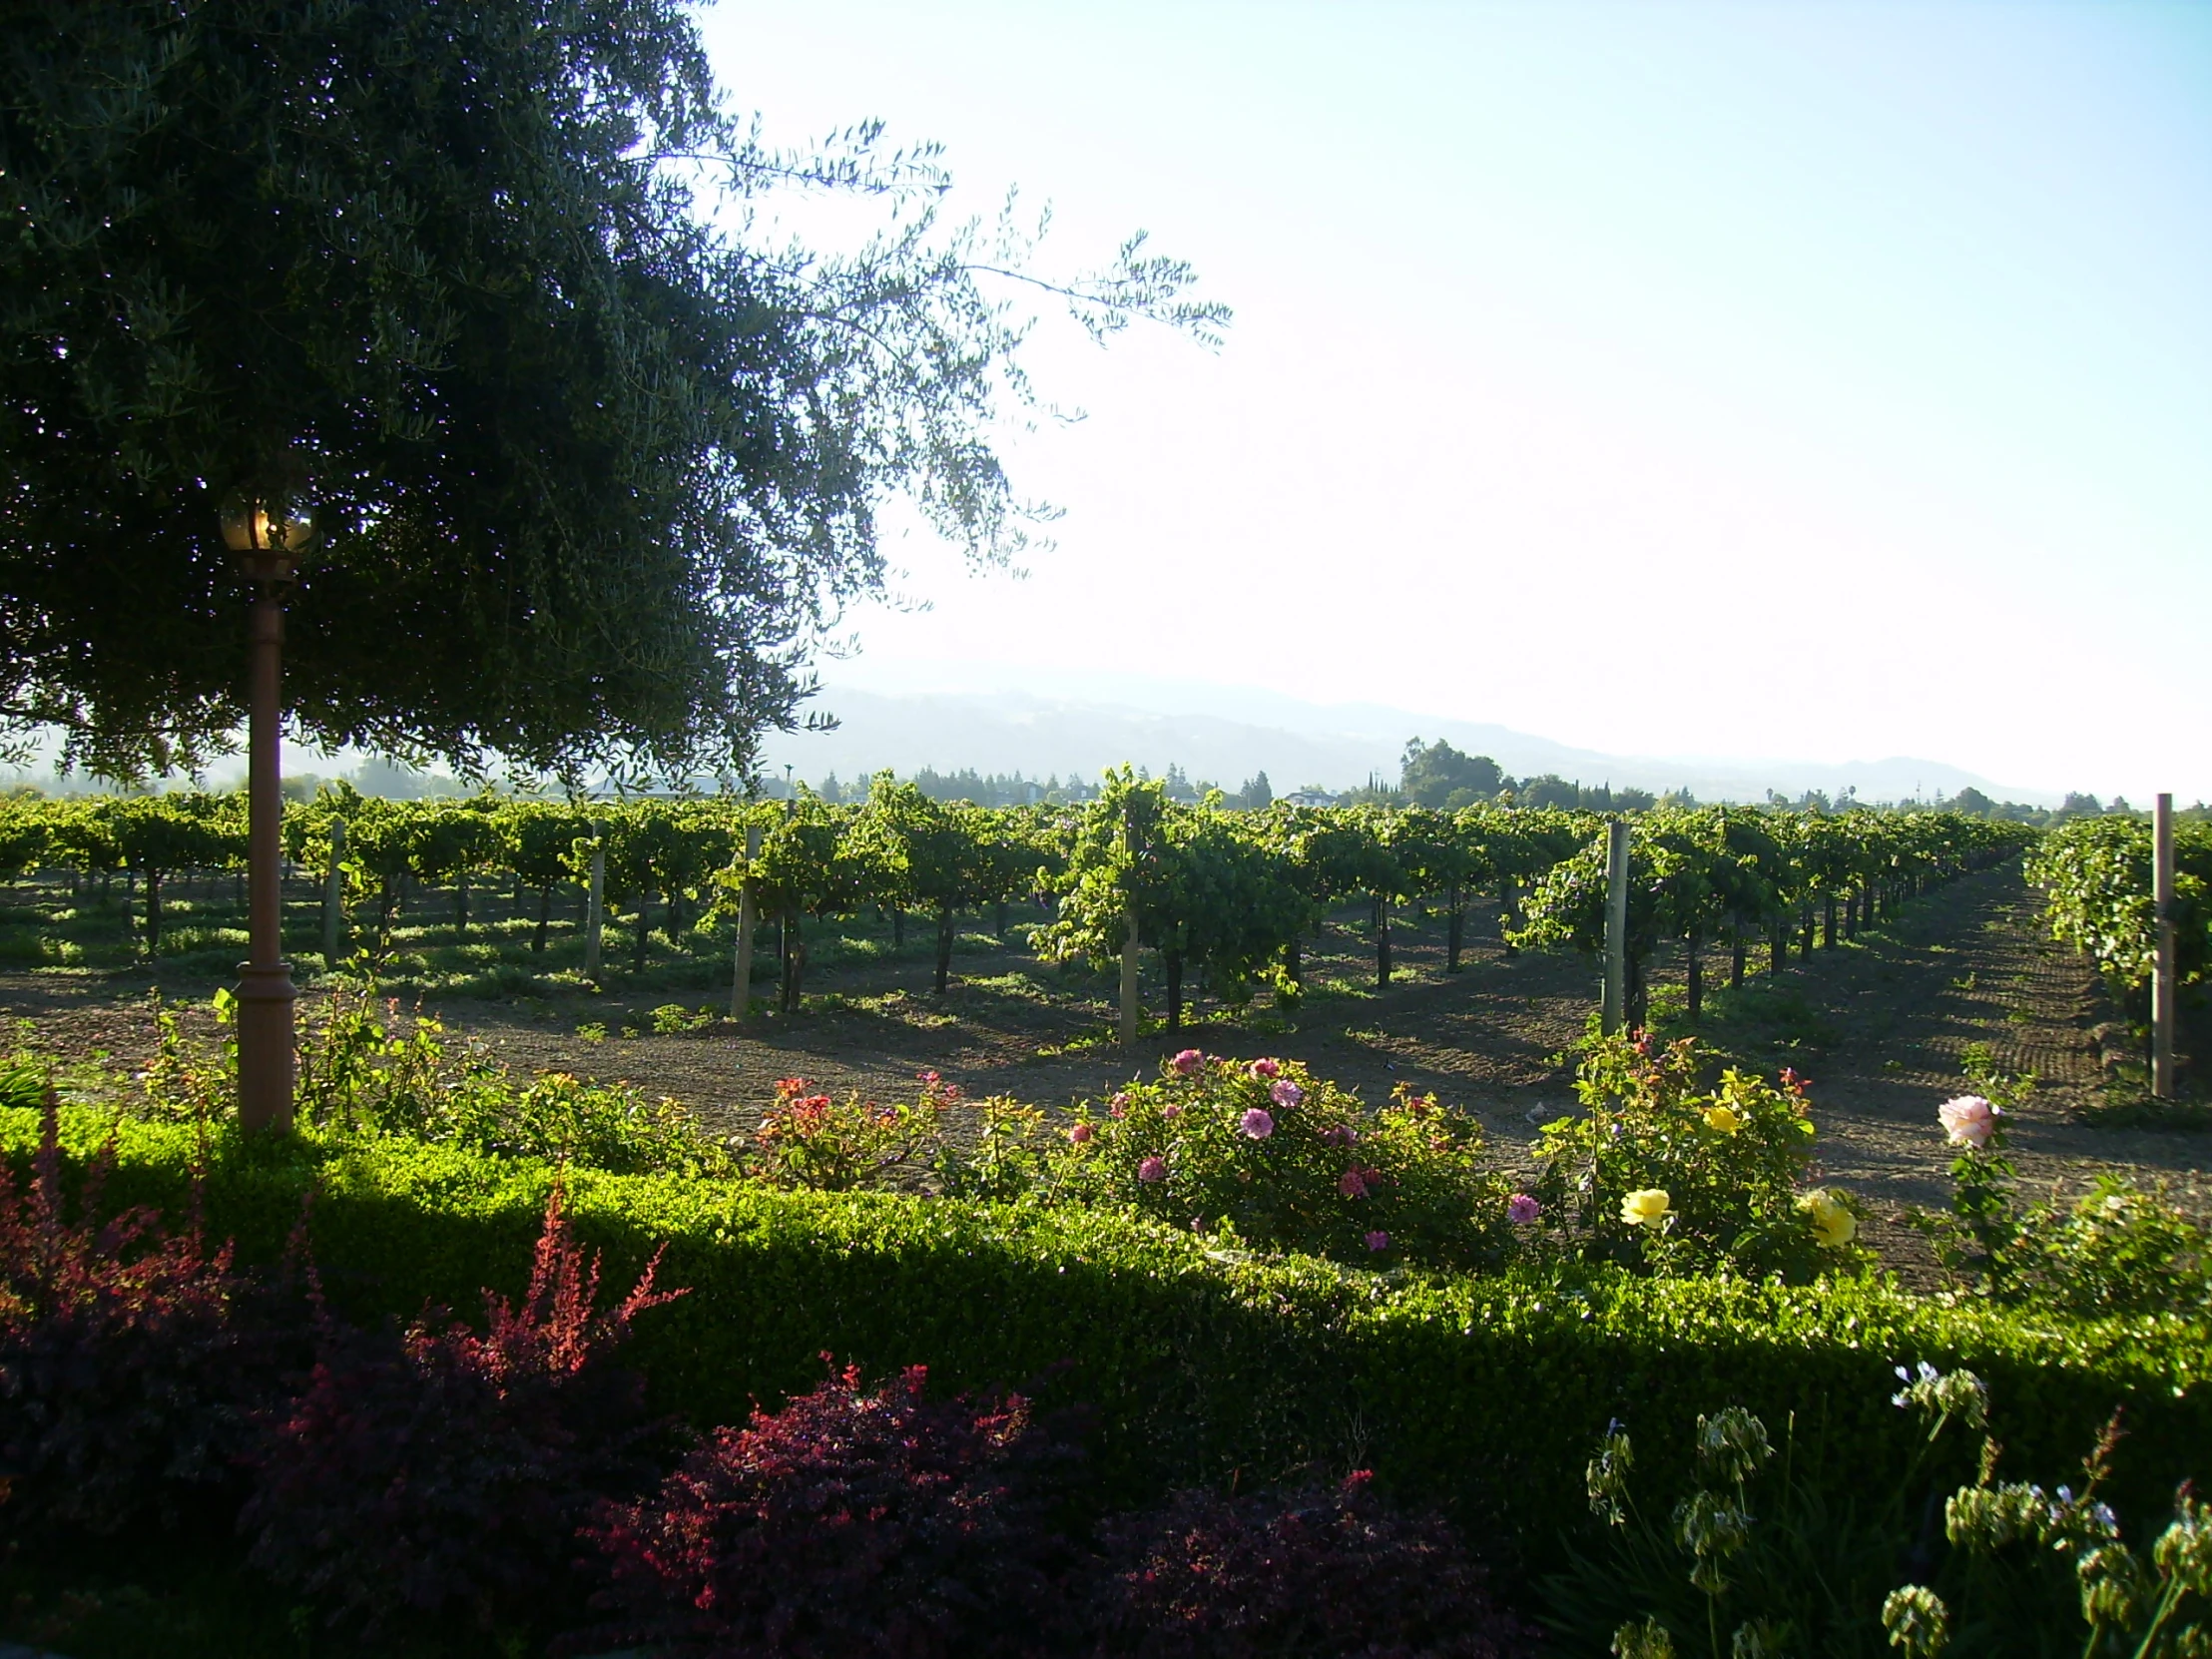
x=1264 y=1068
x=1521 y=1210
x=1171 y=1111
x=1154 y=1168
x=1187 y=1062
x=1341 y=1134
x=1286 y=1093
x=1353 y=1184
x=1081 y=1134
x=1379 y=1241
x=1969 y=1120
x=1257 y=1123
x=1117 y=1107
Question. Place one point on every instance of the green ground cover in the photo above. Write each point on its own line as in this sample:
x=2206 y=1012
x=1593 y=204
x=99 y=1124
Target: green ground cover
x=1238 y=1275
x=1482 y=1392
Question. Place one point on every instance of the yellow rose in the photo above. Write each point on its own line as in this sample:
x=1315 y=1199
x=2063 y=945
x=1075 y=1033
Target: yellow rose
x=1832 y=1223
x=1646 y=1207
x=1726 y=1120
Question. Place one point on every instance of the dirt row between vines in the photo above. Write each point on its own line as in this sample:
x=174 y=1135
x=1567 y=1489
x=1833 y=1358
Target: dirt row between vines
x=1878 y=1024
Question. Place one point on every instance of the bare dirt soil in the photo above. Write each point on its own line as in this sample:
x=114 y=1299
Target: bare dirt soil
x=1878 y=1024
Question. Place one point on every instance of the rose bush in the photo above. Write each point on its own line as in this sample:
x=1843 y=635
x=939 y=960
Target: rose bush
x=810 y=1139
x=2120 y=1248
x=1265 y=1153
x=1660 y=1169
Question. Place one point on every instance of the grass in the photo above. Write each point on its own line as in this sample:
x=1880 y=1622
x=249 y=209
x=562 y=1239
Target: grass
x=1252 y=1020
x=1095 y=1038
x=1324 y=986
x=1017 y=983
x=44 y=929
x=426 y=956
x=1759 y=1022
x=2125 y=1102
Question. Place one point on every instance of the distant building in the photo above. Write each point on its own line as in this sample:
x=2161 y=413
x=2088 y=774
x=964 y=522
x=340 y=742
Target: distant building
x=1310 y=797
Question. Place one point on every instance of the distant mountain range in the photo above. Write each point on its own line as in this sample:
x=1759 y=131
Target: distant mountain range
x=1226 y=735
x=1082 y=723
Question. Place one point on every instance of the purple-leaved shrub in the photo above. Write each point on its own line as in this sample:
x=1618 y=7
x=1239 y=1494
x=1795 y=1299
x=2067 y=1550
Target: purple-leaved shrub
x=1323 y=1574
x=132 y=1358
x=438 y=1473
x=856 y=1520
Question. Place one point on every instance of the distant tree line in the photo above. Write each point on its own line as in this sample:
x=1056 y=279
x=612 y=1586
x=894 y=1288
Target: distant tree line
x=1974 y=803
x=1444 y=778
x=1432 y=775
x=1013 y=789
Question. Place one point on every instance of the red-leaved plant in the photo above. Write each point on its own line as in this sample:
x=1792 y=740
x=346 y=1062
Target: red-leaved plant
x=854 y=1521
x=1331 y=1574
x=438 y=1474
x=129 y=1373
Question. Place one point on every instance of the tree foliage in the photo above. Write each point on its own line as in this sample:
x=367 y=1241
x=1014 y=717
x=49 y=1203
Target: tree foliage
x=598 y=458
x=1437 y=775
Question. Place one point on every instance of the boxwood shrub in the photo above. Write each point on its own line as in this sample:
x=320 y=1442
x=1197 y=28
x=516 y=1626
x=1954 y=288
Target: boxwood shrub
x=1482 y=1392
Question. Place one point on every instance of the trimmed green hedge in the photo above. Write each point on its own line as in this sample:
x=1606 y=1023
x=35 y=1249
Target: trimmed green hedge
x=1482 y=1392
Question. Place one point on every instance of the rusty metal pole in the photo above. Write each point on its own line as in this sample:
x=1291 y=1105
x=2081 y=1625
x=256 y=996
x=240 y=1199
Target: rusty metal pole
x=266 y=994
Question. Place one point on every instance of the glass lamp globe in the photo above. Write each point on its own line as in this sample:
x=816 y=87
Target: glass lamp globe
x=272 y=531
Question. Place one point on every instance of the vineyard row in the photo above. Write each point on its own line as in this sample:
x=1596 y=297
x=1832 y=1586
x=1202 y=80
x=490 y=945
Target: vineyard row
x=1232 y=894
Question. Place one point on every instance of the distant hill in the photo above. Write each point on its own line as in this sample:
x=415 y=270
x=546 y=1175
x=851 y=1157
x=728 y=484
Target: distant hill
x=1225 y=735
x=1080 y=724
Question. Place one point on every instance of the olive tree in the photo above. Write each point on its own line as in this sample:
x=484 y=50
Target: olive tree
x=599 y=456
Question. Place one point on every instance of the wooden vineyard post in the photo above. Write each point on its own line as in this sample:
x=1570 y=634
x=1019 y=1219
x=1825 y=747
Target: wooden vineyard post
x=1130 y=1010
x=2164 y=981
x=1616 y=924
x=595 y=900
x=740 y=982
x=334 y=898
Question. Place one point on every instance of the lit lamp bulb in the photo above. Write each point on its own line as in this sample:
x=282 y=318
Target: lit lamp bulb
x=270 y=531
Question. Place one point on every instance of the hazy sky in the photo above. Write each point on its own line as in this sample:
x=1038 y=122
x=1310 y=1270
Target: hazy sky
x=1800 y=380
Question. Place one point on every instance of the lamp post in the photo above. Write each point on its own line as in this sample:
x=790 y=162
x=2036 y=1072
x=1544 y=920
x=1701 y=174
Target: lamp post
x=268 y=533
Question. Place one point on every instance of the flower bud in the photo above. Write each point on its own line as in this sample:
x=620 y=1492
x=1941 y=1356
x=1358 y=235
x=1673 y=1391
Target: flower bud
x=1916 y=1620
